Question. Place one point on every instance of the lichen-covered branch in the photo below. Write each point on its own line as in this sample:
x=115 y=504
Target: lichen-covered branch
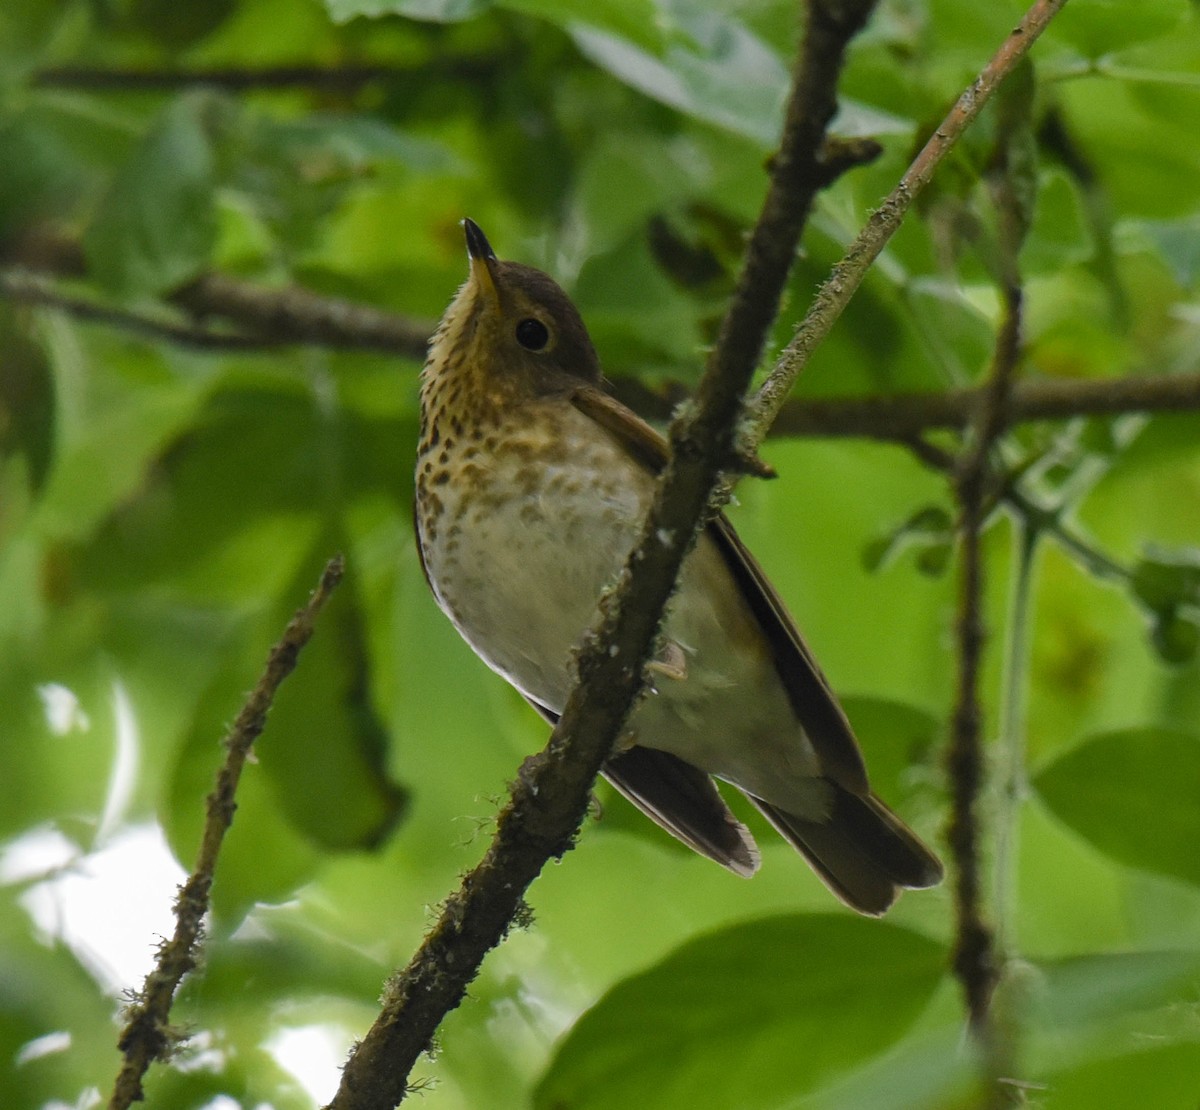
x=147 y=1034
x=549 y=798
x=848 y=274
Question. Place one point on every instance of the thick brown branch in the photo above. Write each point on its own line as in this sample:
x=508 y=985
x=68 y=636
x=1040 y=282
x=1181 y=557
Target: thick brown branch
x=147 y=1035
x=296 y=315
x=549 y=799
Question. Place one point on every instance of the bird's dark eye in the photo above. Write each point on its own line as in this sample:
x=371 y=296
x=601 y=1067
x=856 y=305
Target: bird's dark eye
x=532 y=334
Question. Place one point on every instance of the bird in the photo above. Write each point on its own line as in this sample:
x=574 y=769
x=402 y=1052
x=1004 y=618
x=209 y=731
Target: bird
x=532 y=481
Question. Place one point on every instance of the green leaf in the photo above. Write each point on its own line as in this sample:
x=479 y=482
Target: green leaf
x=27 y=412
x=355 y=142
x=641 y=22
x=1101 y=26
x=1163 y=1077
x=930 y=529
x=1133 y=794
x=1125 y=1019
x=156 y=225
x=1096 y=989
x=1176 y=241
x=901 y=744
x=1176 y=639
x=750 y=1016
x=1164 y=580
x=324 y=745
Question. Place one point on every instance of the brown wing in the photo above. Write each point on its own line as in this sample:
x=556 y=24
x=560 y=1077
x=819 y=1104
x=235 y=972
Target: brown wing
x=816 y=708
x=812 y=700
x=642 y=441
x=862 y=851
x=682 y=799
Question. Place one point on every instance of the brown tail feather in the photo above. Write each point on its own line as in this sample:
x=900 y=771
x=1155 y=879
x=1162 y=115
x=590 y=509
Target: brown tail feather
x=862 y=851
x=684 y=801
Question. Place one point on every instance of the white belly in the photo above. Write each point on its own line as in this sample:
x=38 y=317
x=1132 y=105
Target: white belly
x=520 y=577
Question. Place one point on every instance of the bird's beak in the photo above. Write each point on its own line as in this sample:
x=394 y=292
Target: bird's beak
x=483 y=261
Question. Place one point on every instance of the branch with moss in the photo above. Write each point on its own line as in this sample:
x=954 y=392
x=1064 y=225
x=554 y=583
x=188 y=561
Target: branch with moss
x=147 y=1034
x=848 y=274
x=975 y=961
x=550 y=797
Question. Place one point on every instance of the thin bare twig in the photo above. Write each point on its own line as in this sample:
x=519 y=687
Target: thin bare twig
x=848 y=274
x=147 y=1035
x=976 y=960
x=549 y=799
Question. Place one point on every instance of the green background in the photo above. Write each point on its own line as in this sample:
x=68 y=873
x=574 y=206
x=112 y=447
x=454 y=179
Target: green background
x=164 y=509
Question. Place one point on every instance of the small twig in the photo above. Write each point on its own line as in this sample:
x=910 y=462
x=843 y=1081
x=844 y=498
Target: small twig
x=147 y=1035
x=1011 y=772
x=550 y=797
x=848 y=274
x=1034 y=518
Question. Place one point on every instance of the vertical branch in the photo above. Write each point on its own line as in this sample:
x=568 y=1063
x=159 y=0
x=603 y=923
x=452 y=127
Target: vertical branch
x=975 y=961
x=1011 y=181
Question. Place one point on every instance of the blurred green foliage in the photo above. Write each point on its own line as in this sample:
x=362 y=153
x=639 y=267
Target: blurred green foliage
x=164 y=509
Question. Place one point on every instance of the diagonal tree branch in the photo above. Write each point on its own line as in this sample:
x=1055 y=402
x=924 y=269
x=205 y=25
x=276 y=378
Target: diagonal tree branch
x=33 y=289
x=549 y=799
x=848 y=274
x=147 y=1035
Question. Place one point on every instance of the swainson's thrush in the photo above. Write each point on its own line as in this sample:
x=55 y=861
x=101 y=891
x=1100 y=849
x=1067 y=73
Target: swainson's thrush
x=531 y=485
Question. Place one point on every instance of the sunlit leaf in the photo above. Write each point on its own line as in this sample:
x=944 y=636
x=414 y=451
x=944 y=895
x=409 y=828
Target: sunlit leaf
x=712 y=67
